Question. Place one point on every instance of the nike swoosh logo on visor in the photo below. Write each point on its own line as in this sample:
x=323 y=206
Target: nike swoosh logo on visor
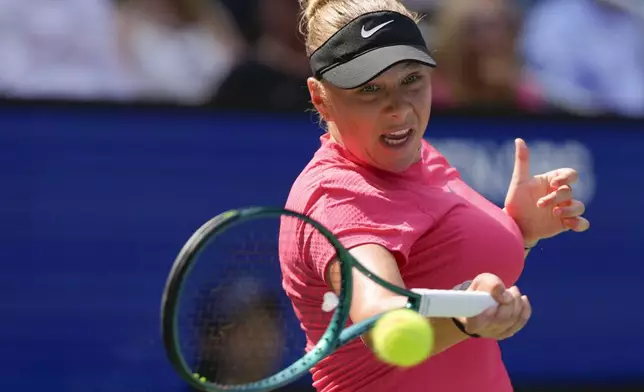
x=369 y=33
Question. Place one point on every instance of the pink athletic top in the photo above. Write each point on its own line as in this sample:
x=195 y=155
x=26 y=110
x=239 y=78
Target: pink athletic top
x=442 y=233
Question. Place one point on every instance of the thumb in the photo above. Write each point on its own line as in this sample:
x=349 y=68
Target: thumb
x=500 y=294
x=521 y=171
x=493 y=285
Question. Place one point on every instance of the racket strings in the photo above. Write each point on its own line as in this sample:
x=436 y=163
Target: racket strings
x=236 y=324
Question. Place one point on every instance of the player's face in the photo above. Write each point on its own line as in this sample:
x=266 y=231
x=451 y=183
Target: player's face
x=383 y=122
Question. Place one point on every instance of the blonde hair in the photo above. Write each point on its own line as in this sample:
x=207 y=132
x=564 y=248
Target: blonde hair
x=322 y=18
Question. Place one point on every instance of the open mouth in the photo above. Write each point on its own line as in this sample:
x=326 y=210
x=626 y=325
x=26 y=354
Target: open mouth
x=397 y=138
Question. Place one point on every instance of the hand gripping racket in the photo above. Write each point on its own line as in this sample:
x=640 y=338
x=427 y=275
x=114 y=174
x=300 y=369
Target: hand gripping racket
x=228 y=323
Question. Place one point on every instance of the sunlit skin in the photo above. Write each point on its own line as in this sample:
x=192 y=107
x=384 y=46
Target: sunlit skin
x=400 y=98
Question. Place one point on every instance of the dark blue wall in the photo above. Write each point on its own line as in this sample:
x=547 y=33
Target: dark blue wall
x=97 y=201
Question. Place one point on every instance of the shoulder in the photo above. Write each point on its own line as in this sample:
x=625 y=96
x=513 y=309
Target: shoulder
x=332 y=188
x=438 y=166
x=353 y=204
x=328 y=181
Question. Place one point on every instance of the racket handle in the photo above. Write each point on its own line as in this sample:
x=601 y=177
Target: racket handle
x=453 y=303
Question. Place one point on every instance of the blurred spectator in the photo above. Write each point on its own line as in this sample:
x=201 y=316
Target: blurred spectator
x=589 y=54
x=59 y=49
x=178 y=50
x=240 y=337
x=478 y=64
x=583 y=56
x=273 y=76
x=422 y=6
x=243 y=12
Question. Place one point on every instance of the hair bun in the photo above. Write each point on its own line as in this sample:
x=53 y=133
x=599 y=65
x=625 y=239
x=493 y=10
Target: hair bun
x=310 y=7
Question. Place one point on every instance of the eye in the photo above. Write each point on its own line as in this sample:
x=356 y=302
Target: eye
x=369 y=88
x=411 y=79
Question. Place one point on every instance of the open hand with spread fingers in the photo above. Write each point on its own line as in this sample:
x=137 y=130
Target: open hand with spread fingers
x=543 y=205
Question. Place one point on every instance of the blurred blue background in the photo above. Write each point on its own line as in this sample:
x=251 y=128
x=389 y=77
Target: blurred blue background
x=126 y=124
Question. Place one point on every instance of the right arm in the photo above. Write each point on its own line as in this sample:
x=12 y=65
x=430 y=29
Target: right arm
x=370 y=299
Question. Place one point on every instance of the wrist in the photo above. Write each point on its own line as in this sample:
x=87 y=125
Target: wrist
x=527 y=245
x=461 y=325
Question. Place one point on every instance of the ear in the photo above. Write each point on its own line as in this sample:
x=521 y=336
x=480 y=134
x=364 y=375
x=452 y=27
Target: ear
x=318 y=97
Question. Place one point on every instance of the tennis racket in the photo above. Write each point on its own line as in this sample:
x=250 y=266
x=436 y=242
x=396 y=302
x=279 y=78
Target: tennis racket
x=228 y=324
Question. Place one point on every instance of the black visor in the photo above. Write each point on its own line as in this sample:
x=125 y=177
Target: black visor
x=367 y=46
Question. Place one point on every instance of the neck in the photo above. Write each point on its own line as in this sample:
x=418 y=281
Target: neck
x=332 y=130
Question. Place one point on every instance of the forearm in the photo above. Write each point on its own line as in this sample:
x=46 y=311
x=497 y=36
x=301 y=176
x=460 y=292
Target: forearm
x=446 y=334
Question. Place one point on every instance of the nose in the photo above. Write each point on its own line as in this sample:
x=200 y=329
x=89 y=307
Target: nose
x=398 y=106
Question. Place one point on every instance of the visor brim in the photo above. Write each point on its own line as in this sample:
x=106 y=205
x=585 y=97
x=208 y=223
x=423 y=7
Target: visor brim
x=368 y=66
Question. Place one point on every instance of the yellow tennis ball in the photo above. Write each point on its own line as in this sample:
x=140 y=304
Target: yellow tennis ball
x=402 y=338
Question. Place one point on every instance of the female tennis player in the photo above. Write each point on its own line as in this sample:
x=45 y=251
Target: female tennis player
x=403 y=211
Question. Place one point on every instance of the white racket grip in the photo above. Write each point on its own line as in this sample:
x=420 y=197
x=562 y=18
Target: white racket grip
x=453 y=303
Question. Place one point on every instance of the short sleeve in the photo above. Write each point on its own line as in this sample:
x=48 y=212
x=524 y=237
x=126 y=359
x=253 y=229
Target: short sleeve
x=359 y=218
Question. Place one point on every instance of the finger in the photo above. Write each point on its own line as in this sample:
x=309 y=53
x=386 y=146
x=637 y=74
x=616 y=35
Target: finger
x=521 y=161
x=503 y=318
x=570 y=210
x=493 y=285
x=578 y=224
x=480 y=322
x=501 y=295
x=516 y=295
x=521 y=321
x=506 y=314
x=561 y=195
x=564 y=176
